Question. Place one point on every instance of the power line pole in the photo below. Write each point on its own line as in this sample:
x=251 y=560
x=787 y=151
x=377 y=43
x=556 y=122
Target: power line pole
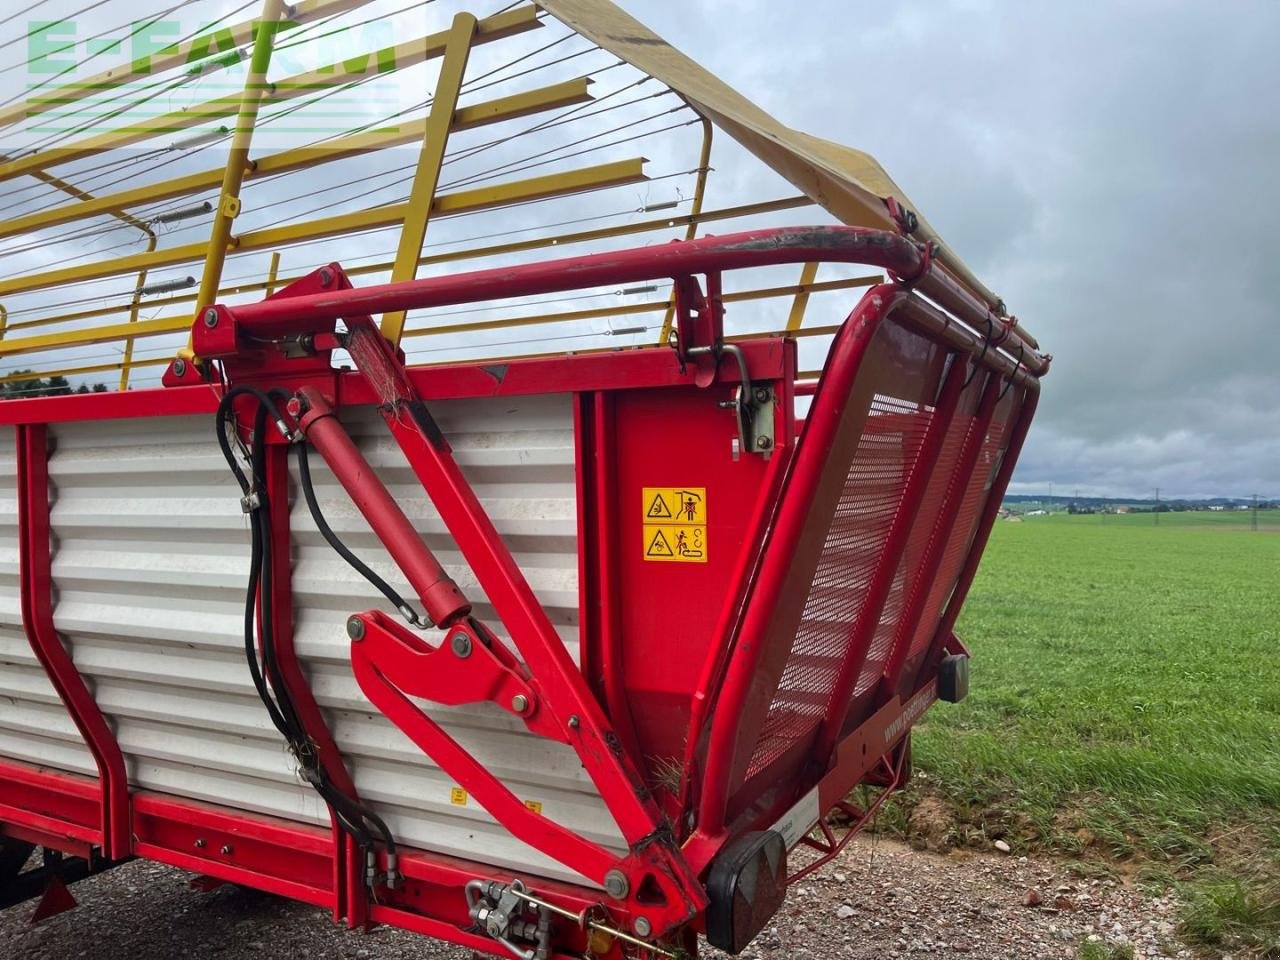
x=1254 y=524
x=1156 y=511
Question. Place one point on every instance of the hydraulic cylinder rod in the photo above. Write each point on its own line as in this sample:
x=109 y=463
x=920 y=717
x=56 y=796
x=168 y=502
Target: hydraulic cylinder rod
x=443 y=602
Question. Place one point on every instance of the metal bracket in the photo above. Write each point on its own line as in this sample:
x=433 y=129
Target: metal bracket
x=466 y=668
x=752 y=404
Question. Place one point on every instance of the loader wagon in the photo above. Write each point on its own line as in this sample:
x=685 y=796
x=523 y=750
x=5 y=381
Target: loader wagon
x=554 y=638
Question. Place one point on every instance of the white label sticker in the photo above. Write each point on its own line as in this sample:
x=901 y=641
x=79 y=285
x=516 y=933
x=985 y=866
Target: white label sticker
x=800 y=819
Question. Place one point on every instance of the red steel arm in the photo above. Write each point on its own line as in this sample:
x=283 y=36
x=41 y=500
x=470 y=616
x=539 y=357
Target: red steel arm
x=36 y=583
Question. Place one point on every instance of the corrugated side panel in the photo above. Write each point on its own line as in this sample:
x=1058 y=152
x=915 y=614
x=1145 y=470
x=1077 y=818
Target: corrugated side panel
x=34 y=725
x=150 y=566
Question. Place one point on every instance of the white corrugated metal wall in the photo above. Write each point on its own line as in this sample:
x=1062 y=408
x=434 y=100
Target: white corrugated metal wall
x=34 y=725
x=150 y=561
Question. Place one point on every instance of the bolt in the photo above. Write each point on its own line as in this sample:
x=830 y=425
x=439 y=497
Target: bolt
x=355 y=628
x=519 y=703
x=200 y=844
x=461 y=644
x=326 y=276
x=764 y=443
x=762 y=394
x=615 y=884
x=642 y=927
x=574 y=722
x=179 y=368
x=226 y=849
x=211 y=317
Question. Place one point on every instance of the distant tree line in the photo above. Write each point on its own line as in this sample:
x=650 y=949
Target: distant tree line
x=37 y=386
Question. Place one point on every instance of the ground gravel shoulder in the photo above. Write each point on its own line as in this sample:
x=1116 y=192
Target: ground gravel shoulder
x=878 y=900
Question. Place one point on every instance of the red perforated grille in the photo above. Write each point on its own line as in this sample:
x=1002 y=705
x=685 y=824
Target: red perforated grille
x=961 y=539
x=872 y=493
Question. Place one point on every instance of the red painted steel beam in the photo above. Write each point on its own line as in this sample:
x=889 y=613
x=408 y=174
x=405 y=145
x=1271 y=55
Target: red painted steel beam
x=758 y=248
x=349 y=899
x=36 y=585
x=651 y=367
x=901 y=257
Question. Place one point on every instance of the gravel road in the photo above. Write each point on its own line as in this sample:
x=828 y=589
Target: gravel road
x=878 y=900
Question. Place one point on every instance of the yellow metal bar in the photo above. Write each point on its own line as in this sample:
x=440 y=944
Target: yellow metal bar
x=103 y=334
x=596 y=313
x=185 y=54
x=128 y=219
x=334 y=75
x=808 y=273
x=272 y=271
x=695 y=209
x=74 y=371
x=501 y=249
x=435 y=140
x=617 y=173
x=126 y=362
x=180 y=323
x=255 y=90
x=518 y=105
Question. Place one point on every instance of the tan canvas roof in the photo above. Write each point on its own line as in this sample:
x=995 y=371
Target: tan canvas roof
x=848 y=183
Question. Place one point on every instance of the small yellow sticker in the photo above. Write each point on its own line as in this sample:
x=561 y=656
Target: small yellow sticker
x=534 y=805
x=458 y=797
x=675 y=524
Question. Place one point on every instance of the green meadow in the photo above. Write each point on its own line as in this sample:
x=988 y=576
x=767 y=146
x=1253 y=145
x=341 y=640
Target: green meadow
x=1124 y=709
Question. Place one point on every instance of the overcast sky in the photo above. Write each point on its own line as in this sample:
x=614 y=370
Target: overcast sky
x=1112 y=170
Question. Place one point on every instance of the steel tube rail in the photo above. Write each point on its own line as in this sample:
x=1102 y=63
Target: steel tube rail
x=758 y=248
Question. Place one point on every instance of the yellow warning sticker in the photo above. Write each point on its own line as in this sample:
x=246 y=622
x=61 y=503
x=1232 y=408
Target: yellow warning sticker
x=675 y=524
x=534 y=805
x=458 y=797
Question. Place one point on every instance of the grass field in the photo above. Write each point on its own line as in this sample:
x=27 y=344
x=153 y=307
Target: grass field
x=1125 y=708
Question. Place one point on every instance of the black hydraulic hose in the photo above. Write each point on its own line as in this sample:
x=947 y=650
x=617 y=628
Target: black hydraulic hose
x=317 y=517
x=255 y=571
x=353 y=816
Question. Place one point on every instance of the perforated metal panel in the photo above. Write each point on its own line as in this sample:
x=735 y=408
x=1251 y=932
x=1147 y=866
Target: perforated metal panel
x=886 y=454
x=906 y=575
x=150 y=565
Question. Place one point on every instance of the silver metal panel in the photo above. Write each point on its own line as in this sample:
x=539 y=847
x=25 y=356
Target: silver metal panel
x=150 y=564
x=34 y=725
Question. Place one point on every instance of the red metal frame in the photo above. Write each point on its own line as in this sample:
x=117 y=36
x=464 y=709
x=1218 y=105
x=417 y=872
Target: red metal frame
x=37 y=619
x=772 y=583
x=674 y=831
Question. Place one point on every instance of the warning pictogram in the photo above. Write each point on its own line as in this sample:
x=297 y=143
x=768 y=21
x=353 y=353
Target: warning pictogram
x=658 y=509
x=675 y=524
x=659 y=546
